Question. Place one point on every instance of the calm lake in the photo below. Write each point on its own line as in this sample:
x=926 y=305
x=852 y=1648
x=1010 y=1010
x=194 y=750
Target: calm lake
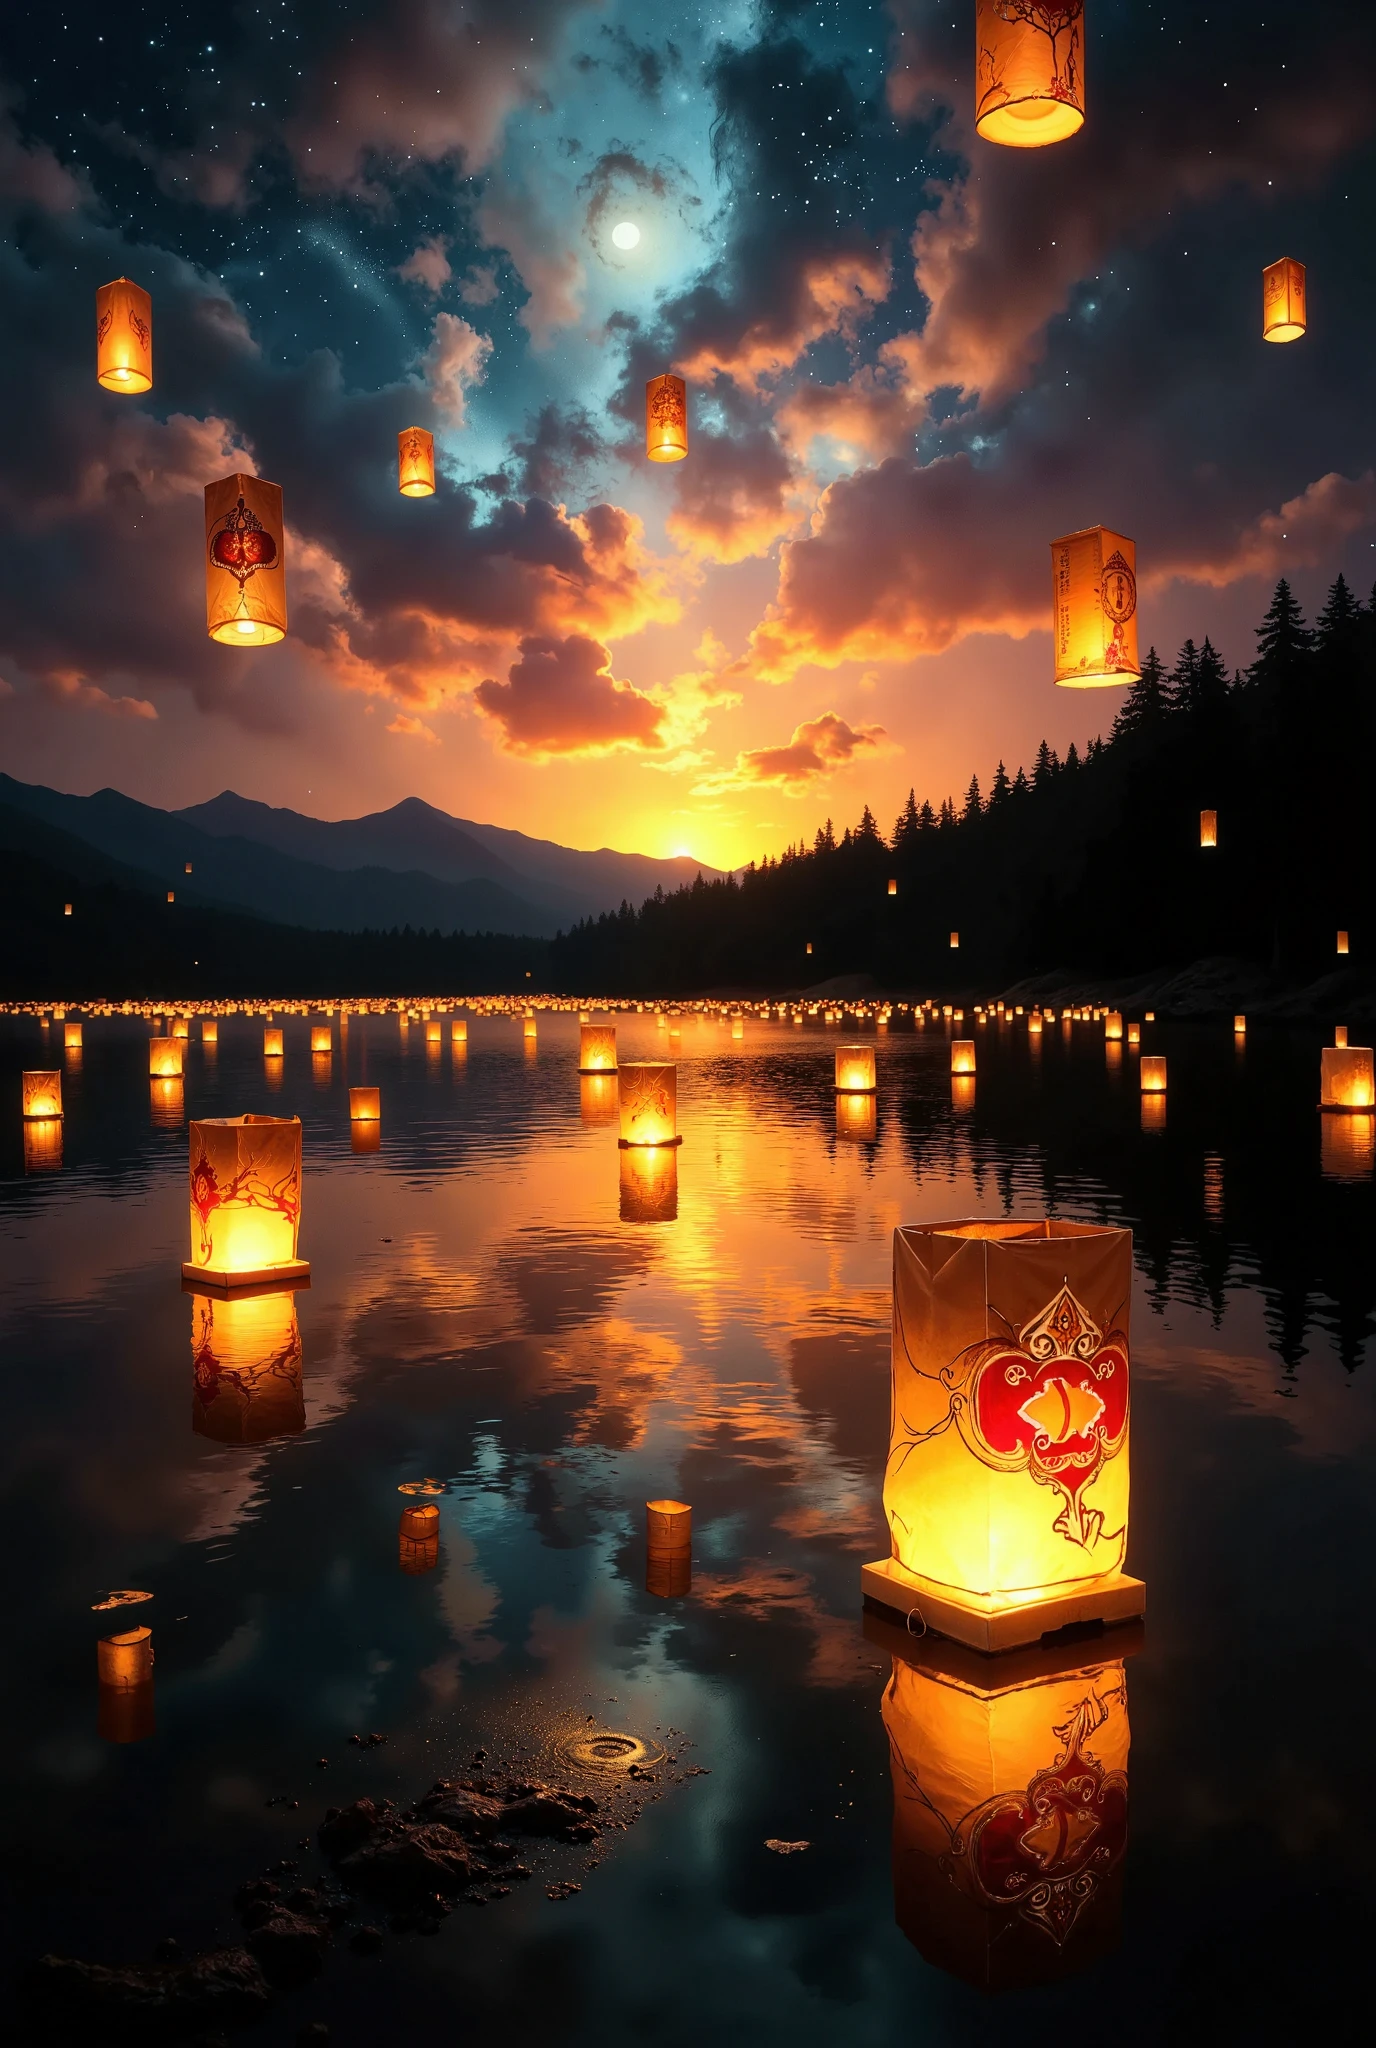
x=489 y=1307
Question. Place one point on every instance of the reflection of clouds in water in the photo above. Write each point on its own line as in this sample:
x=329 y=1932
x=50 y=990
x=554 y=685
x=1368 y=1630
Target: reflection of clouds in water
x=766 y=1593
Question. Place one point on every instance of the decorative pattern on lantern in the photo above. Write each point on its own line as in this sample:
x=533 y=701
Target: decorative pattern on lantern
x=649 y=1183
x=855 y=1070
x=1347 y=1078
x=41 y=1093
x=1208 y=828
x=1094 y=609
x=245 y=562
x=246 y=1354
x=962 y=1055
x=1029 y=71
x=1284 y=312
x=666 y=418
x=668 y=1548
x=416 y=462
x=245 y=1201
x=597 y=1048
x=648 y=1096
x=1006 y=1488
x=124 y=337
x=418 y=1539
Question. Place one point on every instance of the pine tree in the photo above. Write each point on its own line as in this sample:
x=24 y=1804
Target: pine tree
x=947 y=815
x=1021 y=785
x=926 y=817
x=999 y=788
x=1072 y=759
x=1044 y=767
x=867 y=829
x=1210 y=684
x=1283 y=642
x=908 y=825
x=1180 y=684
x=1338 y=620
x=1141 y=713
x=973 y=805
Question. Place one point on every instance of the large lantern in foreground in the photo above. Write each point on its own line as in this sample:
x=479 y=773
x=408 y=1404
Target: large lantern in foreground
x=597 y=1048
x=1284 y=313
x=1347 y=1080
x=1006 y=1487
x=855 y=1070
x=1029 y=71
x=124 y=336
x=245 y=1201
x=245 y=562
x=416 y=462
x=648 y=1093
x=42 y=1093
x=1094 y=615
x=247 y=1357
x=666 y=418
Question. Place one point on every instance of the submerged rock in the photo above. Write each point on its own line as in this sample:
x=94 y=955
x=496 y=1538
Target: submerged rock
x=162 y=2002
x=289 y=1946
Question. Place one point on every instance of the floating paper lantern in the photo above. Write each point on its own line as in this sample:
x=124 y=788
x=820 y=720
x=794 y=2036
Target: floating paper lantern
x=124 y=1666
x=649 y=1183
x=41 y=1093
x=1208 y=828
x=416 y=462
x=210 y=1031
x=124 y=337
x=1029 y=71
x=962 y=1055
x=528 y=1025
x=245 y=562
x=648 y=1095
x=1010 y=1808
x=1153 y=1072
x=1347 y=1078
x=418 y=1538
x=458 y=1033
x=124 y=1661
x=1348 y=1145
x=955 y=939
x=66 y=910
x=666 y=418
x=893 y=888
x=1284 y=313
x=597 y=1098
x=668 y=1525
x=1094 y=585
x=1340 y=1034
x=181 y=1027
x=1150 y=1017
x=1342 y=942
x=1113 y=1024
x=857 y=1118
x=171 y=895
x=1239 y=1027
x=809 y=946
x=1006 y=1487
x=855 y=1070
x=597 y=1048
x=322 y=1038
x=246 y=1354
x=273 y=1044
x=71 y=1038
x=188 y=867
x=42 y=1144
x=1034 y=1025
x=245 y=1193
x=365 y=1105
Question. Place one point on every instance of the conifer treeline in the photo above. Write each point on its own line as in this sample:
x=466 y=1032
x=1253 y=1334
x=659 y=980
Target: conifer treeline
x=1091 y=863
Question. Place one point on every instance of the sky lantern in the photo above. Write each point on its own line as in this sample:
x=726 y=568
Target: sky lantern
x=666 y=418
x=246 y=1354
x=1208 y=828
x=1094 y=609
x=1346 y=1078
x=416 y=462
x=245 y=1191
x=1006 y=1487
x=648 y=1094
x=1029 y=71
x=1342 y=942
x=1284 y=316
x=855 y=1070
x=597 y=1048
x=893 y=886
x=124 y=337
x=42 y=1093
x=245 y=562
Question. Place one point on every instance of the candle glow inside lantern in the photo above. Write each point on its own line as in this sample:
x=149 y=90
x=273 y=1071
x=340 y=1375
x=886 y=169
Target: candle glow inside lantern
x=955 y=940
x=365 y=1105
x=1239 y=1026
x=416 y=462
x=322 y=1039
x=273 y=1044
x=648 y=1096
x=962 y=1055
x=1284 y=309
x=246 y=1356
x=1347 y=1078
x=649 y=1183
x=1153 y=1072
x=1094 y=614
x=41 y=1093
x=245 y=562
x=124 y=337
x=597 y=1048
x=1006 y=1487
x=1208 y=828
x=855 y=1070
x=418 y=1538
x=528 y=1025
x=245 y=1191
x=458 y=1032
x=126 y=1660
x=165 y=1059
x=71 y=1038
x=1113 y=1024
x=1029 y=71
x=668 y=1548
x=666 y=418
x=1342 y=942
x=893 y=888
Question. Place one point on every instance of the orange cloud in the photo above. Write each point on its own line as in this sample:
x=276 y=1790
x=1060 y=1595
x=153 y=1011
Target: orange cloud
x=413 y=728
x=818 y=747
x=428 y=265
x=736 y=496
x=1307 y=530
x=454 y=362
x=561 y=698
x=833 y=293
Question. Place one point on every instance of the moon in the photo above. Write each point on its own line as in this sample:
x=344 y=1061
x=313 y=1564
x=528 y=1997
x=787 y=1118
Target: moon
x=626 y=234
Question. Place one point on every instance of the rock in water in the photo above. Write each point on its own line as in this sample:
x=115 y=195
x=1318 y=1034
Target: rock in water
x=158 y=2003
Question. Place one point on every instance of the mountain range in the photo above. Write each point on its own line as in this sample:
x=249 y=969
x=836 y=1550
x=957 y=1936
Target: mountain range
x=410 y=865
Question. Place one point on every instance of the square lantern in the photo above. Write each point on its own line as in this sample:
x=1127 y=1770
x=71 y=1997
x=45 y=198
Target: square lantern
x=245 y=1201
x=1284 y=308
x=210 y=1031
x=322 y=1039
x=648 y=1095
x=41 y=1093
x=855 y=1070
x=1346 y=1078
x=962 y=1055
x=458 y=1033
x=1208 y=828
x=1094 y=588
x=1153 y=1073
x=246 y=1357
x=597 y=1048
x=1006 y=1487
x=165 y=1059
x=365 y=1105
x=71 y=1038
x=1113 y=1024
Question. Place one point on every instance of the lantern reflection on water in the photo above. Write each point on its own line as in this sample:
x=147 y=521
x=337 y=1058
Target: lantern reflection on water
x=167 y=1103
x=245 y=1201
x=597 y=1098
x=647 y=1092
x=247 y=1358
x=855 y=1070
x=1006 y=1487
x=418 y=1538
x=124 y=1672
x=165 y=1059
x=1029 y=71
x=41 y=1093
x=597 y=1048
x=1346 y=1077
x=857 y=1118
x=1348 y=1145
x=649 y=1183
x=42 y=1144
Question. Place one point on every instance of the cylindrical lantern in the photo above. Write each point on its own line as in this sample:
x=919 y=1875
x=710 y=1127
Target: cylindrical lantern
x=893 y=888
x=1284 y=314
x=738 y=1027
x=962 y=1055
x=245 y=1193
x=1346 y=1077
x=528 y=1026
x=1239 y=1027
x=245 y=562
x=1034 y=1026
x=1153 y=1073
x=855 y=1071
x=955 y=939
x=809 y=946
x=42 y=1144
x=1029 y=71
x=648 y=1095
x=458 y=1031
x=1113 y=1024
x=1208 y=828
x=1094 y=609
x=597 y=1048
x=124 y=337
x=1340 y=1034
x=649 y=1181
x=1342 y=942
x=857 y=1118
x=165 y=1059
x=1006 y=1487
x=322 y=1039
x=666 y=418
x=418 y=1538
x=246 y=1356
x=416 y=462
x=365 y=1105
x=71 y=1037
x=41 y=1093
x=668 y=1525
x=125 y=1661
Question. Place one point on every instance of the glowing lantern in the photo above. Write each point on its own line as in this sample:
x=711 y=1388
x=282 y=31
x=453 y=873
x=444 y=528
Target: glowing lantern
x=181 y=1027
x=125 y=1661
x=245 y=1201
x=668 y=1548
x=210 y=1031
x=1208 y=828
x=322 y=1039
x=1034 y=1025
x=245 y=562
x=1239 y=1027
x=124 y=337
x=1342 y=942
x=597 y=1048
x=1153 y=1072
x=188 y=867
x=458 y=1033
x=962 y=1055
x=1006 y=1488
x=42 y=1093
x=1348 y=1145
x=1284 y=314
x=416 y=463
x=1113 y=1024
x=955 y=939
x=365 y=1105
x=66 y=910
x=418 y=1538
x=666 y=418
x=1340 y=1034
x=809 y=945
x=1150 y=1017
x=857 y=1118
x=855 y=1071
x=71 y=1038
x=1010 y=1808
x=649 y=1183
x=171 y=895
x=246 y=1353
x=648 y=1095
x=1029 y=71
x=124 y=1669
x=893 y=888
x=1347 y=1078
x=165 y=1059
x=272 y=1042
x=42 y=1144
x=528 y=1025
x=1094 y=585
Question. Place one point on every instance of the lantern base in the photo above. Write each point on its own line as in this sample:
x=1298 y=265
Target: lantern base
x=1333 y=1108
x=597 y=1070
x=257 y=1280
x=839 y=1090
x=999 y=1621
x=646 y=1144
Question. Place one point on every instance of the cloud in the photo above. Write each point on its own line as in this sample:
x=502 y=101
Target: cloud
x=454 y=362
x=1307 y=530
x=413 y=728
x=737 y=493
x=538 y=247
x=561 y=698
x=74 y=689
x=428 y=265
x=819 y=747
x=478 y=286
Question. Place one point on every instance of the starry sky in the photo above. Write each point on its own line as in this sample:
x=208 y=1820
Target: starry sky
x=914 y=359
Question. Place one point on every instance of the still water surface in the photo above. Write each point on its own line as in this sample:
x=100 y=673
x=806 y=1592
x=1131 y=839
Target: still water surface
x=487 y=1307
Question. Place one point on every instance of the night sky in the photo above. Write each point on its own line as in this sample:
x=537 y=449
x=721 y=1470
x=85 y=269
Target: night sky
x=914 y=359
